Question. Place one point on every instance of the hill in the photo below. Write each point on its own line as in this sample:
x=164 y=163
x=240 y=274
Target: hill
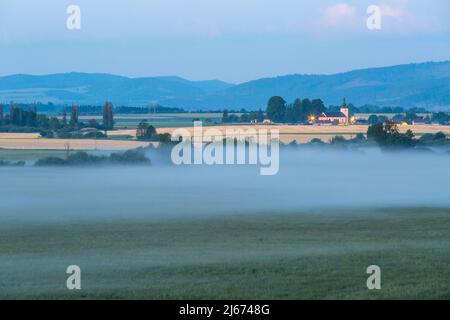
x=413 y=85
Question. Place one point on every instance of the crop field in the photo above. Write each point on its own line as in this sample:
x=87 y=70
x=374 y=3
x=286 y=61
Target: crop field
x=119 y=141
x=27 y=141
x=304 y=134
x=72 y=144
x=303 y=255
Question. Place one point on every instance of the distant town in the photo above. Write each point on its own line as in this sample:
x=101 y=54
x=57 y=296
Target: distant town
x=54 y=120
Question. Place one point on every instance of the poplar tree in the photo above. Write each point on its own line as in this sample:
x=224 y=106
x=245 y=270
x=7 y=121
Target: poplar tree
x=74 y=116
x=108 y=116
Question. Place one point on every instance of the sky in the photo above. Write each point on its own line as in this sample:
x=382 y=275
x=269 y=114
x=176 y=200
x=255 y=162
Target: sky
x=232 y=40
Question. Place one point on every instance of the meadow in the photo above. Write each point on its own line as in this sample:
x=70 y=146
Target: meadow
x=303 y=255
x=162 y=120
x=165 y=232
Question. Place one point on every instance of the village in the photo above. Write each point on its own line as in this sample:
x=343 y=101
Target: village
x=345 y=117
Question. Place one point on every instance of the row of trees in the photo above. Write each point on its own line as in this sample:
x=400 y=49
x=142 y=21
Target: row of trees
x=154 y=108
x=387 y=136
x=278 y=110
x=298 y=112
x=19 y=118
x=244 y=117
x=441 y=118
x=367 y=108
x=409 y=117
x=136 y=156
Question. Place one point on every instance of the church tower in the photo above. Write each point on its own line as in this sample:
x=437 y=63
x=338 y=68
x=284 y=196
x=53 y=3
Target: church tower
x=345 y=112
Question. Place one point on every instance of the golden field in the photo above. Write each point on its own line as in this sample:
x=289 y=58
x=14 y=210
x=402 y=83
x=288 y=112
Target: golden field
x=304 y=134
x=288 y=133
x=27 y=141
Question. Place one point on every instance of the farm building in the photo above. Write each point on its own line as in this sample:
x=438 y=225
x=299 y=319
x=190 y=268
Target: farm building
x=335 y=118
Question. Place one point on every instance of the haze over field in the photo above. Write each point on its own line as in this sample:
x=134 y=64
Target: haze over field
x=310 y=179
x=89 y=181
x=164 y=232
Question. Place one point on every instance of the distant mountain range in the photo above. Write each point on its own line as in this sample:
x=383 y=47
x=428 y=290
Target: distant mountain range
x=413 y=85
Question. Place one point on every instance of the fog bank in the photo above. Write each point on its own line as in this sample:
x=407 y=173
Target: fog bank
x=307 y=179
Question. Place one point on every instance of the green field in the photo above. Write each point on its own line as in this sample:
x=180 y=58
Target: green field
x=309 y=255
x=175 y=120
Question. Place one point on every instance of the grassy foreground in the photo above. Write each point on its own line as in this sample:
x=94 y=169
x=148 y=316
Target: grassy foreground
x=315 y=255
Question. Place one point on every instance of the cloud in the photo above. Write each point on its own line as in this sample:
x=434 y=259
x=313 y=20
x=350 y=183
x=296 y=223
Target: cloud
x=340 y=15
x=398 y=10
x=405 y=17
x=392 y=12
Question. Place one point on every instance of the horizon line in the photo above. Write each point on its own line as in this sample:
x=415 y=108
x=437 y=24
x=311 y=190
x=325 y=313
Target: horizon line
x=217 y=79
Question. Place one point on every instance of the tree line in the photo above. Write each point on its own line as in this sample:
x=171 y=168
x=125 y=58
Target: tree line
x=278 y=110
x=301 y=110
x=18 y=119
x=409 y=117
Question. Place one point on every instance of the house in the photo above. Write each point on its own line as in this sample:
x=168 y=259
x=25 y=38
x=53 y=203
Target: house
x=326 y=122
x=336 y=118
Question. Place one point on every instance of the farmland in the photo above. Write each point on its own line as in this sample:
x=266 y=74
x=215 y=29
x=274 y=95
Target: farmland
x=170 y=120
x=17 y=141
x=307 y=255
x=304 y=134
x=167 y=232
x=122 y=139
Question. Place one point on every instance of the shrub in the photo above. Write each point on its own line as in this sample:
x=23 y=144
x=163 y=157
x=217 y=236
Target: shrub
x=4 y=163
x=130 y=157
x=84 y=159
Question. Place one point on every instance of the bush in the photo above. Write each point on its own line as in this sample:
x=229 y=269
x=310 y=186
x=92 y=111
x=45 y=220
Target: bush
x=130 y=157
x=387 y=135
x=84 y=159
x=50 y=161
x=4 y=163
x=164 y=137
x=338 y=140
x=316 y=141
x=93 y=135
x=434 y=139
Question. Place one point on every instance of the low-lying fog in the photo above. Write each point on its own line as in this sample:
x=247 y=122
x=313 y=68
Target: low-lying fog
x=307 y=179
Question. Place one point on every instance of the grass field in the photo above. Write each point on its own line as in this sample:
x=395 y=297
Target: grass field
x=168 y=232
x=169 y=120
x=304 y=255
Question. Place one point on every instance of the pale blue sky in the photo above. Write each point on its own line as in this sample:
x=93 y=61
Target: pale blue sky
x=233 y=40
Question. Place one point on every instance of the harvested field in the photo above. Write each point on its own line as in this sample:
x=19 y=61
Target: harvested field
x=19 y=135
x=288 y=133
x=72 y=144
x=304 y=134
